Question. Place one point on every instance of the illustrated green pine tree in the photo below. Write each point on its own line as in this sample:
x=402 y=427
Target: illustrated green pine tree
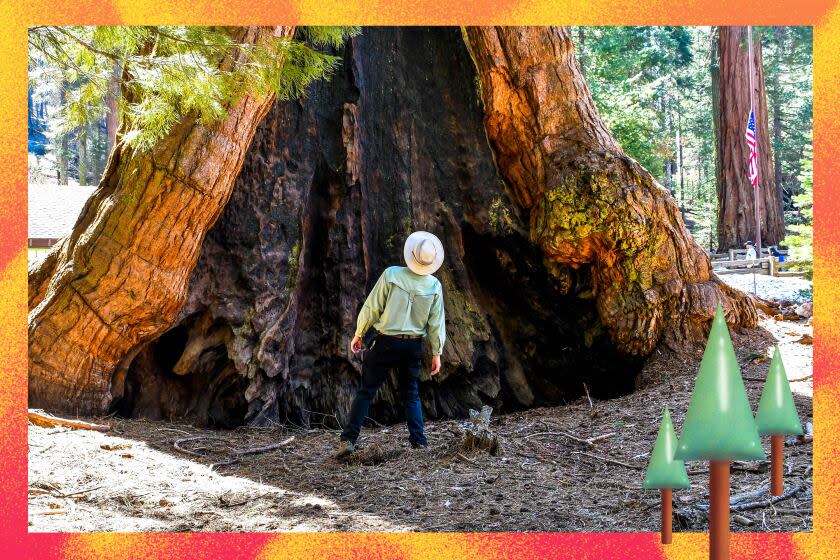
x=777 y=418
x=776 y=411
x=663 y=470
x=665 y=473
x=719 y=428
x=719 y=424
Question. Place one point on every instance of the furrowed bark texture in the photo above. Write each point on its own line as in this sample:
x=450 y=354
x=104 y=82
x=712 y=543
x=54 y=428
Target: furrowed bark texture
x=588 y=203
x=736 y=195
x=329 y=190
x=121 y=278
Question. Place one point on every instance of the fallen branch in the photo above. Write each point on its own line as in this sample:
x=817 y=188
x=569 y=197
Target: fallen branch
x=58 y=494
x=608 y=460
x=466 y=459
x=740 y=498
x=764 y=503
x=173 y=430
x=224 y=463
x=265 y=448
x=241 y=452
x=596 y=439
x=223 y=501
x=590 y=442
x=41 y=418
x=586 y=389
x=737 y=503
x=178 y=442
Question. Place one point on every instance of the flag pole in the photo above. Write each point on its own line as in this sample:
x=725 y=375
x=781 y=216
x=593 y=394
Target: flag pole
x=756 y=190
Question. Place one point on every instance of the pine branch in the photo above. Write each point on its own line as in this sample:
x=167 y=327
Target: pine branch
x=86 y=45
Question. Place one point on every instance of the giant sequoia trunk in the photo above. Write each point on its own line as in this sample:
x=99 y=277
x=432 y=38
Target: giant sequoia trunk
x=736 y=210
x=121 y=278
x=565 y=262
x=588 y=203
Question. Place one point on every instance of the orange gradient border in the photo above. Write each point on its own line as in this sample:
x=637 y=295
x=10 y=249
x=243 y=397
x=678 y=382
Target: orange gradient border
x=18 y=15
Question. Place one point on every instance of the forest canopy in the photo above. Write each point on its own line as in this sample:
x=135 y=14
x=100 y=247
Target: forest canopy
x=151 y=76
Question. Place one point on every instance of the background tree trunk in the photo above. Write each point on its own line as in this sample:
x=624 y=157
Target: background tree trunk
x=121 y=278
x=588 y=203
x=63 y=155
x=775 y=98
x=736 y=215
x=330 y=189
x=82 y=154
x=112 y=118
x=334 y=183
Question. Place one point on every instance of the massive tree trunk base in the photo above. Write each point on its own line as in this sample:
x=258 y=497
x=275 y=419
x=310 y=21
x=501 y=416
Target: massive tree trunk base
x=328 y=192
x=566 y=263
x=120 y=279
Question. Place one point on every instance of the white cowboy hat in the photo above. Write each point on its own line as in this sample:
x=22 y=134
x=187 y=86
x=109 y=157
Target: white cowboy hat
x=423 y=252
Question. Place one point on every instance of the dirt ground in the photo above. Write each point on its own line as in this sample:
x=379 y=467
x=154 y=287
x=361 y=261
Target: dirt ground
x=134 y=479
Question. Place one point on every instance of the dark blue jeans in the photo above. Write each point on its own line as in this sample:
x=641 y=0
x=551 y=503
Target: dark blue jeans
x=386 y=353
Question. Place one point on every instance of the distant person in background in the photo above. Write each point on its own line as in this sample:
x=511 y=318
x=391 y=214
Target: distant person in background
x=774 y=251
x=751 y=256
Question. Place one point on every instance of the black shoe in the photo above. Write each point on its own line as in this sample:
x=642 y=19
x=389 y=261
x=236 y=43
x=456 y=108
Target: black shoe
x=417 y=445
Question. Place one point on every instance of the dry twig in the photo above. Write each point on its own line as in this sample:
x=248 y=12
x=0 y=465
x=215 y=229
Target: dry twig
x=178 y=443
x=264 y=448
x=590 y=442
x=608 y=460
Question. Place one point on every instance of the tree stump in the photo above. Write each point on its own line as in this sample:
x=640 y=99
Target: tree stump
x=477 y=432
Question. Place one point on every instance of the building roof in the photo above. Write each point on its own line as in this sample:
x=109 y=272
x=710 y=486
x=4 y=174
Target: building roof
x=54 y=209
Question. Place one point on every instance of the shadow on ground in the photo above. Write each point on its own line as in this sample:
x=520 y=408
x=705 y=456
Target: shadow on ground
x=549 y=478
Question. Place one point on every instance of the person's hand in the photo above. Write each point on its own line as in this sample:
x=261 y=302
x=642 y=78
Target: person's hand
x=435 y=364
x=356 y=345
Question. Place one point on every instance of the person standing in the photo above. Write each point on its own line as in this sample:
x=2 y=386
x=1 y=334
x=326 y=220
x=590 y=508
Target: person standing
x=751 y=255
x=405 y=304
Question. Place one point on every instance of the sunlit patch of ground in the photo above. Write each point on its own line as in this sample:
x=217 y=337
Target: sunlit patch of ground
x=89 y=481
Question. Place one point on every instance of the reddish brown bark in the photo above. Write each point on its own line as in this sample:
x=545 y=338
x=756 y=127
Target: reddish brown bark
x=719 y=510
x=590 y=204
x=331 y=186
x=777 y=464
x=736 y=213
x=665 y=532
x=121 y=278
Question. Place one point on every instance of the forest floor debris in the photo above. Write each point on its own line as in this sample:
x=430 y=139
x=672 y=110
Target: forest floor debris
x=577 y=467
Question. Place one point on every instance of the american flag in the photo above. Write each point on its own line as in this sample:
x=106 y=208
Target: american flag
x=750 y=135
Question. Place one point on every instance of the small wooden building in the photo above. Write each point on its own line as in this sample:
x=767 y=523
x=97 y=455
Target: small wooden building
x=53 y=211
